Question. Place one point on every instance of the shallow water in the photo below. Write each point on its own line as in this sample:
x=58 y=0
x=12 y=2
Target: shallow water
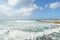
x=28 y=30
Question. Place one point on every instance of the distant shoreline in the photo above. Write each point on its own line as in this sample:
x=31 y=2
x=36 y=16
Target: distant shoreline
x=50 y=21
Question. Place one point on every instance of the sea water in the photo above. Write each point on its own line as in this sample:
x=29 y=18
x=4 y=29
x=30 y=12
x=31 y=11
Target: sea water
x=28 y=30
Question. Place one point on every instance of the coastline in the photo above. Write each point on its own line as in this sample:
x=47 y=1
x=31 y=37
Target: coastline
x=50 y=21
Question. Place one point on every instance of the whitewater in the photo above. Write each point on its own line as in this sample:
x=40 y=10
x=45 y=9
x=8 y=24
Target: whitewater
x=28 y=30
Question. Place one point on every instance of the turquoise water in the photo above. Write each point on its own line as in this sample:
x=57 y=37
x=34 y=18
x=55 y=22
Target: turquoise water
x=28 y=30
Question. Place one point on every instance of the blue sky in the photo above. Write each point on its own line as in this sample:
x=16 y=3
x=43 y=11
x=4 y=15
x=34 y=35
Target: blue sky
x=29 y=9
x=47 y=13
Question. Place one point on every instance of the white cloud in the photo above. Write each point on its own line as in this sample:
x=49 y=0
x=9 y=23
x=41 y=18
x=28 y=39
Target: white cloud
x=54 y=5
x=12 y=2
x=20 y=2
x=5 y=9
x=24 y=11
x=27 y=10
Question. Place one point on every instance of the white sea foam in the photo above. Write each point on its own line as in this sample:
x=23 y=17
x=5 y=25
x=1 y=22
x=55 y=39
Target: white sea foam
x=25 y=35
x=22 y=30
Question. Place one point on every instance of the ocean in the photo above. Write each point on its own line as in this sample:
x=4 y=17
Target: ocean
x=28 y=30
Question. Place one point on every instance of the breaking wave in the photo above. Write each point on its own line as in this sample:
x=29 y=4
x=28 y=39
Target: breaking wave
x=28 y=30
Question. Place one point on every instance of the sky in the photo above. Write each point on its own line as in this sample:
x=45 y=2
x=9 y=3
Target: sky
x=29 y=9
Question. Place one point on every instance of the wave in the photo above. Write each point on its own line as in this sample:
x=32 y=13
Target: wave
x=28 y=30
x=22 y=35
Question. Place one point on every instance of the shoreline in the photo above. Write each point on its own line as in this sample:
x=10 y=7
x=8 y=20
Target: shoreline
x=50 y=21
